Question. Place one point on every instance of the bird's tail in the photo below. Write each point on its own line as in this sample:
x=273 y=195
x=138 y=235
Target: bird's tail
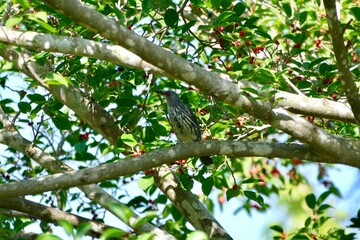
x=206 y=160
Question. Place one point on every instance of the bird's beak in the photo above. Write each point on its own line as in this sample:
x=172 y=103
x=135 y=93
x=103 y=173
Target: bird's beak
x=161 y=92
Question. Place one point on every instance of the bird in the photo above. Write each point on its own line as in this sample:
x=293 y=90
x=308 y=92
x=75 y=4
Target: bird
x=183 y=121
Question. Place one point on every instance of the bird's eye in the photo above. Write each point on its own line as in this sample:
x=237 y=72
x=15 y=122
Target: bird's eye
x=167 y=94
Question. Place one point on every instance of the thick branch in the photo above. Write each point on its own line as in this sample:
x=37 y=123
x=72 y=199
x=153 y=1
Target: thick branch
x=51 y=214
x=209 y=82
x=82 y=47
x=76 y=46
x=189 y=205
x=341 y=55
x=152 y=159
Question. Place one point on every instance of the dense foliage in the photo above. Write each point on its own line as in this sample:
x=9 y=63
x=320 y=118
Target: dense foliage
x=273 y=84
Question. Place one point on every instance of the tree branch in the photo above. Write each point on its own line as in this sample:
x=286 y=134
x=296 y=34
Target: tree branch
x=189 y=205
x=152 y=159
x=323 y=108
x=341 y=55
x=51 y=214
x=76 y=46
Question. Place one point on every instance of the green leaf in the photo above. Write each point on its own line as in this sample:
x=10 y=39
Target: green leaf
x=324 y=68
x=322 y=208
x=149 y=134
x=23 y=3
x=150 y=215
x=231 y=193
x=24 y=107
x=316 y=62
x=334 y=86
x=287 y=9
x=277 y=228
x=62 y=122
x=113 y=233
x=263 y=34
x=356 y=12
x=11 y=22
x=218 y=127
x=224 y=15
x=310 y=201
x=145 y=182
x=129 y=140
x=263 y=75
x=303 y=16
x=239 y=8
x=171 y=17
x=187 y=26
x=147 y=5
x=304 y=84
x=81 y=147
x=36 y=98
x=323 y=196
x=57 y=79
x=207 y=185
x=121 y=211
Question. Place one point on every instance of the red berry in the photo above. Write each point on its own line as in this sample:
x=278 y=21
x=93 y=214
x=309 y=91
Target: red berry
x=248 y=43
x=252 y=60
x=23 y=92
x=242 y=33
x=256 y=206
x=235 y=187
x=275 y=172
x=334 y=97
x=221 y=29
x=221 y=199
x=277 y=42
x=297 y=161
x=297 y=45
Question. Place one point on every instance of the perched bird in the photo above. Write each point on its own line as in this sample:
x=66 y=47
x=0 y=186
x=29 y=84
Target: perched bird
x=183 y=121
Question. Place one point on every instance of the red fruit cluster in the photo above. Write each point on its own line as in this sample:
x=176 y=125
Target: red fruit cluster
x=114 y=84
x=318 y=43
x=149 y=172
x=258 y=49
x=252 y=60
